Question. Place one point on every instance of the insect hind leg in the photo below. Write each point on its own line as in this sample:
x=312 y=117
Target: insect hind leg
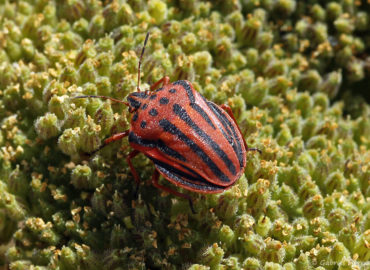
x=230 y=113
x=155 y=183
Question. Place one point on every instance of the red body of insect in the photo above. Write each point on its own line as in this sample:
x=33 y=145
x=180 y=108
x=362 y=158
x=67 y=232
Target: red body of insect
x=194 y=143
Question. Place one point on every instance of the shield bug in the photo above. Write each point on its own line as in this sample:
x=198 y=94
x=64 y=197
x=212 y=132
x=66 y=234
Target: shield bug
x=194 y=143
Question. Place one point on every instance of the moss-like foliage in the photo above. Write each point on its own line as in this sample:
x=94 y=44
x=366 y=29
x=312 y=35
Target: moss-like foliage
x=304 y=203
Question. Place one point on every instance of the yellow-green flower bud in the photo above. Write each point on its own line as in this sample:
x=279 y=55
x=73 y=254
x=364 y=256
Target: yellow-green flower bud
x=284 y=7
x=18 y=182
x=42 y=231
x=41 y=61
x=339 y=252
x=126 y=16
x=258 y=196
x=264 y=41
x=104 y=86
x=69 y=74
x=303 y=262
x=318 y=12
x=289 y=266
x=104 y=117
x=273 y=252
x=355 y=70
x=335 y=181
x=281 y=230
x=212 y=256
x=202 y=62
x=87 y=72
x=87 y=50
x=119 y=207
x=251 y=263
x=333 y=10
x=263 y=226
x=227 y=236
x=96 y=26
x=22 y=265
x=189 y=42
x=47 y=126
x=362 y=21
x=14 y=50
x=58 y=105
x=362 y=247
x=68 y=142
x=71 y=40
x=252 y=243
x=68 y=258
x=82 y=178
x=338 y=219
x=28 y=49
x=235 y=19
x=344 y=25
x=300 y=226
x=75 y=118
x=104 y=62
x=198 y=267
x=256 y=93
x=344 y=56
x=249 y=34
x=313 y=207
x=90 y=136
x=304 y=103
x=7 y=227
x=284 y=136
x=158 y=10
x=98 y=202
x=81 y=27
x=310 y=81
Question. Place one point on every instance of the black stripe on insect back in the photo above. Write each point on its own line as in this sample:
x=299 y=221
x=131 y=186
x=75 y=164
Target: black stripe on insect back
x=187 y=88
x=178 y=110
x=133 y=138
x=197 y=182
x=230 y=129
x=169 y=151
x=171 y=128
x=202 y=113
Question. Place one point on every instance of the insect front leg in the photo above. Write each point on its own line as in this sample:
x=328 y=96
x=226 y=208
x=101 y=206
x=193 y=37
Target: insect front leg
x=113 y=138
x=230 y=112
x=155 y=183
x=165 y=80
x=130 y=156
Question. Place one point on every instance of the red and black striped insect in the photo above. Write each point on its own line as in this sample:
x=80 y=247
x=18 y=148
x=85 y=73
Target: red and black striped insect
x=193 y=143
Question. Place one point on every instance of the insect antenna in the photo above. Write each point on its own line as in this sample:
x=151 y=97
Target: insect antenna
x=140 y=60
x=103 y=97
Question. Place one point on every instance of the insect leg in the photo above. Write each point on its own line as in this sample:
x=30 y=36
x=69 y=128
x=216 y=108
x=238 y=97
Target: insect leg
x=107 y=141
x=165 y=80
x=130 y=156
x=155 y=183
x=230 y=112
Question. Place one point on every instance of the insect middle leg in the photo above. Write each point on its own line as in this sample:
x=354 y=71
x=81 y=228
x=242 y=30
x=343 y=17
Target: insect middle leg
x=230 y=112
x=155 y=183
